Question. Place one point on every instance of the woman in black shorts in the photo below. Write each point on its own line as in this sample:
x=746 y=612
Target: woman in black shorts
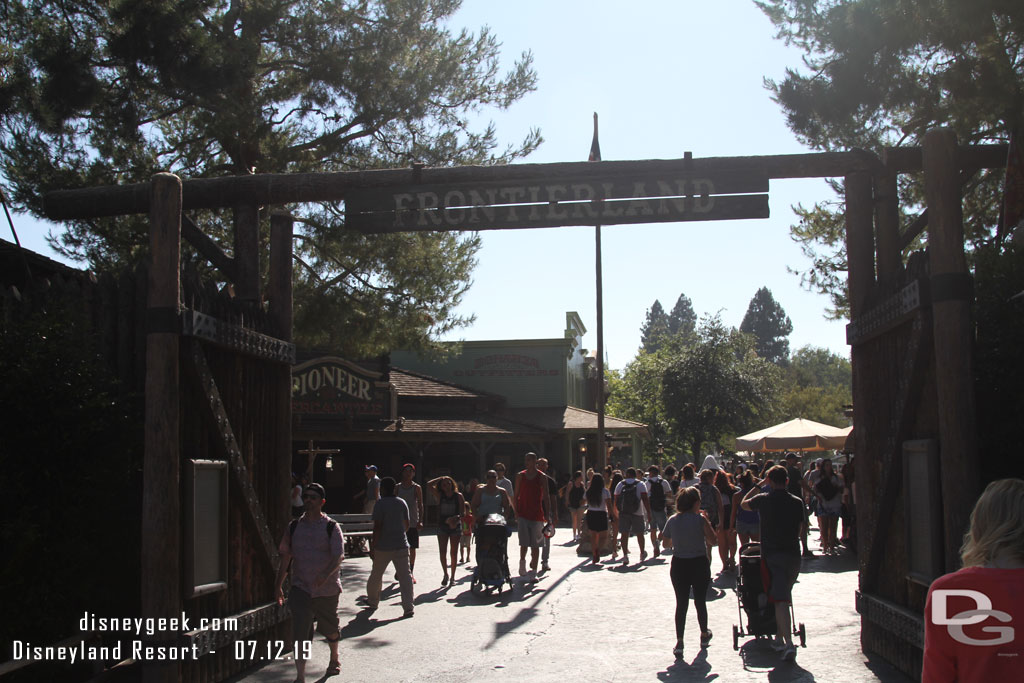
x=726 y=532
x=449 y=522
x=599 y=510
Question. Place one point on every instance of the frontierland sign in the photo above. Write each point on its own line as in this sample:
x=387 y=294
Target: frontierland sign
x=608 y=200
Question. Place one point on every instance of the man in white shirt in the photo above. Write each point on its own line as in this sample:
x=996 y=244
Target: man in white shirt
x=631 y=501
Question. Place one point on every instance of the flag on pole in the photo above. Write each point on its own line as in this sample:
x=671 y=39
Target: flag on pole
x=595 y=146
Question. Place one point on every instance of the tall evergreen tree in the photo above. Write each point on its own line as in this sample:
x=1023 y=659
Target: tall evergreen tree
x=107 y=93
x=655 y=328
x=882 y=73
x=771 y=327
x=682 y=319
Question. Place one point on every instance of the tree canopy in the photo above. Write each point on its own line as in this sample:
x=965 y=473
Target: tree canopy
x=882 y=73
x=716 y=386
x=771 y=327
x=105 y=93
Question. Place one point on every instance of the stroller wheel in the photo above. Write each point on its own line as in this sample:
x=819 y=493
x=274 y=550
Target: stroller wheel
x=803 y=635
x=735 y=637
x=476 y=587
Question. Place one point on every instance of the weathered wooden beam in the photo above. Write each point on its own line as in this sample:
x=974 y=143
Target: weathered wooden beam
x=284 y=188
x=218 y=418
x=887 y=228
x=860 y=245
x=161 y=523
x=951 y=314
x=279 y=286
x=208 y=248
x=247 y=251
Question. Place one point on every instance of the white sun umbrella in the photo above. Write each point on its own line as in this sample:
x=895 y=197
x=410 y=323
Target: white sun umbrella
x=795 y=435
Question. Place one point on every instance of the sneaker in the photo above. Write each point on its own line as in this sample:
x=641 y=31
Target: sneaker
x=408 y=615
x=643 y=555
x=789 y=654
x=522 y=567
x=808 y=552
x=678 y=650
x=705 y=638
x=545 y=568
x=657 y=553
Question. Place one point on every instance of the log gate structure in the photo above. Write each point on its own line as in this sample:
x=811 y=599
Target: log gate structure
x=218 y=392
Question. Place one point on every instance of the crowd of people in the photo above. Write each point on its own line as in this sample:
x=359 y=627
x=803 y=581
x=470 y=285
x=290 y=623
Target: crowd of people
x=687 y=513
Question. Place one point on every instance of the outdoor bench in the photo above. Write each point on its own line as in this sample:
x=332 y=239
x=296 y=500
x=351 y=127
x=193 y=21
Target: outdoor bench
x=356 y=528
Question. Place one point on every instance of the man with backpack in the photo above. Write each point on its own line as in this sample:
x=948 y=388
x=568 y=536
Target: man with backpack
x=630 y=494
x=659 y=493
x=312 y=549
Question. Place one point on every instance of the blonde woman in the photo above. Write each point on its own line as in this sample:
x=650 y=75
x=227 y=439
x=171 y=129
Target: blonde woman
x=981 y=646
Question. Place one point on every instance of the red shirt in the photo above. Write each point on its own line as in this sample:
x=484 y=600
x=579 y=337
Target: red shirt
x=946 y=656
x=530 y=496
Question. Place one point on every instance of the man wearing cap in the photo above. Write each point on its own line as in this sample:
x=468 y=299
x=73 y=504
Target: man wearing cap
x=372 y=489
x=312 y=548
x=412 y=493
x=531 y=511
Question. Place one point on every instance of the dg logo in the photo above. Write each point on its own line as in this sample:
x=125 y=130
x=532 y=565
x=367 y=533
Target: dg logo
x=983 y=610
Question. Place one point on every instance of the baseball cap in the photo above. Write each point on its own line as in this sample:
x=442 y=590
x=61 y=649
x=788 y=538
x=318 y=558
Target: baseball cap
x=410 y=466
x=317 y=489
x=371 y=467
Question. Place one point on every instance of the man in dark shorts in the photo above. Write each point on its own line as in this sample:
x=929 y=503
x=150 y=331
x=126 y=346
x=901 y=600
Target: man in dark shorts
x=313 y=548
x=798 y=486
x=782 y=516
x=545 y=555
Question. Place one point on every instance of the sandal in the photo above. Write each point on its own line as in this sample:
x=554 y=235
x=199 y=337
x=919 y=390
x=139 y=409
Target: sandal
x=333 y=669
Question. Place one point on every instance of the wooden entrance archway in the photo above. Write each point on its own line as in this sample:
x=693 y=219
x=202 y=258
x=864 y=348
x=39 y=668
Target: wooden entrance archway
x=910 y=336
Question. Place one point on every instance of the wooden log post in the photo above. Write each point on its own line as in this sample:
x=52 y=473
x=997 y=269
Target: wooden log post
x=951 y=293
x=279 y=291
x=247 y=252
x=860 y=279
x=161 y=515
x=887 y=228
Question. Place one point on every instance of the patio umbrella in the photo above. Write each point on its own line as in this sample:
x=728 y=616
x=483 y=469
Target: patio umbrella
x=795 y=435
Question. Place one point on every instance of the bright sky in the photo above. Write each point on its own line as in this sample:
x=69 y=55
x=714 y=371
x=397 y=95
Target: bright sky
x=665 y=77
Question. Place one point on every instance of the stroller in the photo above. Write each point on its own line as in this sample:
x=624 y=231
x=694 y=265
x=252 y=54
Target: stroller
x=752 y=594
x=491 y=556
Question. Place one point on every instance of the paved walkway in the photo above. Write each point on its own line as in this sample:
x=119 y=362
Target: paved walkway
x=582 y=623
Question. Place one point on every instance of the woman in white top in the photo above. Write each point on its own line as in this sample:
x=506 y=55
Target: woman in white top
x=599 y=510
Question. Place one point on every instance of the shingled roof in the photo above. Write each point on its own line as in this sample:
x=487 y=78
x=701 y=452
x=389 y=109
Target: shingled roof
x=571 y=419
x=415 y=385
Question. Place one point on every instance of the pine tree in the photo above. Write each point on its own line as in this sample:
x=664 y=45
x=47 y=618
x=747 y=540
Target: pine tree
x=110 y=93
x=882 y=74
x=768 y=323
x=682 y=319
x=655 y=328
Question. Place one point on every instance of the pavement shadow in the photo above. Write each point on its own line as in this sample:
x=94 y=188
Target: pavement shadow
x=526 y=591
x=362 y=625
x=845 y=561
x=696 y=671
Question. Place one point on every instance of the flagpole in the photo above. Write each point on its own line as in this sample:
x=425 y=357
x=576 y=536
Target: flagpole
x=602 y=450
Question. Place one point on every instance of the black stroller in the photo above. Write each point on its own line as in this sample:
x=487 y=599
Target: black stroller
x=753 y=600
x=491 y=556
